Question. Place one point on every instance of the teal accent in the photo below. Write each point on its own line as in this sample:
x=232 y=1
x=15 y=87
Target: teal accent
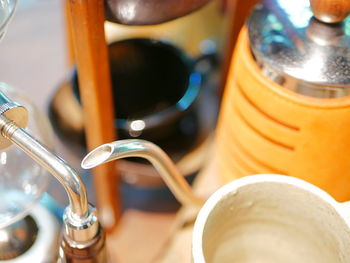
x=191 y=92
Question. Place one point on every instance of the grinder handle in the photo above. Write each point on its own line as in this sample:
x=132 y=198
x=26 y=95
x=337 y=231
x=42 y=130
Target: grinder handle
x=330 y=11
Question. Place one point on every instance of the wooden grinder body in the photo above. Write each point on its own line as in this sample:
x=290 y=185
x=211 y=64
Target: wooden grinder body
x=265 y=128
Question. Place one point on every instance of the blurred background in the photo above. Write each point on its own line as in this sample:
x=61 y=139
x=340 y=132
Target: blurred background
x=35 y=59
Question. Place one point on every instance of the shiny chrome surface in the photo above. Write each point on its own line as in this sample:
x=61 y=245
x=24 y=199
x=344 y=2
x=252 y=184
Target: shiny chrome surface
x=83 y=229
x=13 y=111
x=78 y=216
x=66 y=175
x=17 y=238
x=7 y=9
x=298 y=51
x=144 y=149
x=80 y=221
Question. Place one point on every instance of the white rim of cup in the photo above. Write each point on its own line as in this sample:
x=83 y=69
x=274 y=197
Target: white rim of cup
x=197 y=236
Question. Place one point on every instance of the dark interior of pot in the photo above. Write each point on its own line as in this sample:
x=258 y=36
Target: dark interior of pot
x=148 y=76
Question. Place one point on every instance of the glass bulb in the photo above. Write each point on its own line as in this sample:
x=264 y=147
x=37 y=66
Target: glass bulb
x=22 y=181
x=7 y=8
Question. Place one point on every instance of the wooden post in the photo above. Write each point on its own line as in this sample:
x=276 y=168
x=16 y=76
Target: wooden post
x=68 y=31
x=91 y=56
x=237 y=11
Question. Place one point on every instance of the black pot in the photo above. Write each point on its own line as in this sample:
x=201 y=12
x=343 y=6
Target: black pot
x=155 y=88
x=160 y=95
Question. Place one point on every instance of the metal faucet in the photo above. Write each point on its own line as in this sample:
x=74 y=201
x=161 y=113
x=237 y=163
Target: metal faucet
x=83 y=239
x=155 y=155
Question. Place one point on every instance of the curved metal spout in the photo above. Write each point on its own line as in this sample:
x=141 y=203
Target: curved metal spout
x=65 y=174
x=144 y=149
x=81 y=226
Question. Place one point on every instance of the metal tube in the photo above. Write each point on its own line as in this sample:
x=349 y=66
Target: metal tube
x=65 y=174
x=80 y=222
x=144 y=149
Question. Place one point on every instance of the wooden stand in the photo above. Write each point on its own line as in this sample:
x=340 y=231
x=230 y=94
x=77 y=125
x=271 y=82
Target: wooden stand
x=237 y=11
x=69 y=35
x=91 y=56
x=85 y=32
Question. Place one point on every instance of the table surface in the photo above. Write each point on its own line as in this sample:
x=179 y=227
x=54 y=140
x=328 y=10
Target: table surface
x=157 y=237
x=33 y=59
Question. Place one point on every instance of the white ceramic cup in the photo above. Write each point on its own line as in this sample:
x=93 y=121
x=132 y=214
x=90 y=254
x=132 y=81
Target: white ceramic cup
x=271 y=218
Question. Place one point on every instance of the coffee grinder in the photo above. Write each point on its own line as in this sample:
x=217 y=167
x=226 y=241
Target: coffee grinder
x=286 y=106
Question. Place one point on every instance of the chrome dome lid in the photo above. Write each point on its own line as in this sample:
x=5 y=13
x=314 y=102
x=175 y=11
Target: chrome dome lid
x=285 y=37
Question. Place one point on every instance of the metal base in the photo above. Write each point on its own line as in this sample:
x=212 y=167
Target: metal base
x=33 y=239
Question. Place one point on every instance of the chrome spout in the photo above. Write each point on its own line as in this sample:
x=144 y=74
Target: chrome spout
x=65 y=174
x=83 y=238
x=155 y=155
x=80 y=221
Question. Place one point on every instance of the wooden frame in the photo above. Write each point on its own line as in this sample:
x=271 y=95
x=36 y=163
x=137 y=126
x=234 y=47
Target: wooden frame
x=85 y=31
x=238 y=11
x=86 y=26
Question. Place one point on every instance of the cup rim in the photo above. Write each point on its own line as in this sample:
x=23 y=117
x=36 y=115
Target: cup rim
x=218 y=195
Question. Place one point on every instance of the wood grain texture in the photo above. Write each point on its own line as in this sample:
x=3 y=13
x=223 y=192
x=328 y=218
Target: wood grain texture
x=330 y=11
x=237 y=12
x=68 y=31
x=91 y=55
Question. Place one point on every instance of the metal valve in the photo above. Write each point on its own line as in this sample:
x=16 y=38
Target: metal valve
x=82 y=231
x=14 y=112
